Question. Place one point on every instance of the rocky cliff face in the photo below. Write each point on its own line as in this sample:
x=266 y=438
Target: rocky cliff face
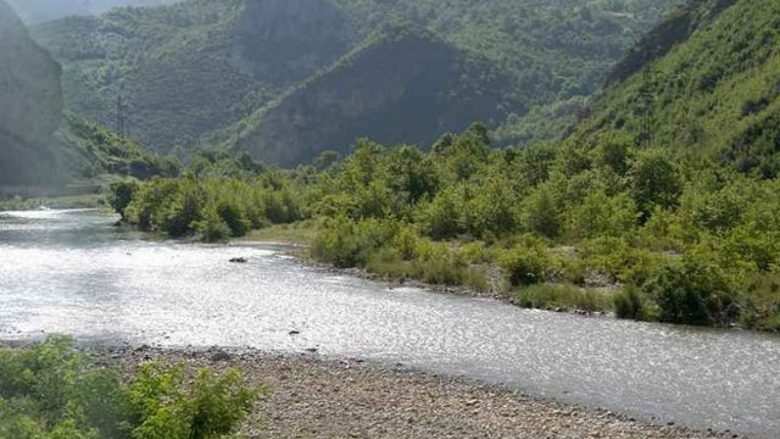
x=399 y=88
x=30 y=101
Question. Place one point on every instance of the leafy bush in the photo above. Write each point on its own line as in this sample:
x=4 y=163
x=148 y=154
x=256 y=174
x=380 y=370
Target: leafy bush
x=526 y=263
x=121 y=195
x=49 y=391
x=692 y=291
x=212 y=228
x=629 y=304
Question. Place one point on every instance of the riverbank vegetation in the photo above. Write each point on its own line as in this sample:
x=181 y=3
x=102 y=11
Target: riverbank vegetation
x=596 y=226
x=50 y=391
x=661 y=204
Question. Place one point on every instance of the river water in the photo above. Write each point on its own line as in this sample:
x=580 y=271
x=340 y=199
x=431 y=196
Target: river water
x=73 y=272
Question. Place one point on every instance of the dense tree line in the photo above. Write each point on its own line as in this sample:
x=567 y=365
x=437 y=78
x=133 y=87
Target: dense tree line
x=594 y=225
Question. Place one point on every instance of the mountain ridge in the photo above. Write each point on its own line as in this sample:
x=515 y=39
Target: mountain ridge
x=188 y=80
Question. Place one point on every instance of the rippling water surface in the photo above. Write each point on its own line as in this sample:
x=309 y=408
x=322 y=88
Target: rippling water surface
x=72 y=272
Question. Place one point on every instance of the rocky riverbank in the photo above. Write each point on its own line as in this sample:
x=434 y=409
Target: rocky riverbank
x=310 y=397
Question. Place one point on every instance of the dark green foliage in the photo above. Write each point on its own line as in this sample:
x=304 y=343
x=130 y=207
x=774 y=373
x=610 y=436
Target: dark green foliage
x=694 y=292
x=190 y=69
x=121 y=194
x=654 y=182
x=92 y=149
x=50 y=391
x=629 y=304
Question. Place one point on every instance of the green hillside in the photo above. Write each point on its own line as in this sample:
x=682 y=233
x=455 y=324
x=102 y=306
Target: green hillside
x=402 y=84
x=717 y=93
x=39 y=11
x=554 y=51
x=187 y=69
x=189 y=72
x=662 y=205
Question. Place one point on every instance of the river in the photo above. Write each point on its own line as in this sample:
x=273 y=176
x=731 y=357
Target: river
x=72 y=272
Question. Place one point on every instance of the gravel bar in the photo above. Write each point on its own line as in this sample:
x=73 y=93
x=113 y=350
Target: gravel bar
x=312 y=397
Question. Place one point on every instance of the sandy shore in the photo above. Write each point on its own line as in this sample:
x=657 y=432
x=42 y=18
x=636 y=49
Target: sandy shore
x=309 y=397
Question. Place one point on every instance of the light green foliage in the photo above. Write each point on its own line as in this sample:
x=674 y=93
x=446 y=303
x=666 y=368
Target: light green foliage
x=600 y=215
x=527 y=262
x=713 y=95
x=50 y=391
x=217 y=198
x=596 y=213
x=655 y=181
x=209 y=409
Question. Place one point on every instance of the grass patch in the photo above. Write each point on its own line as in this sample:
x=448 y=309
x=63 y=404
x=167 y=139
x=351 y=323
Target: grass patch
x=564 y=297
x=302 y=232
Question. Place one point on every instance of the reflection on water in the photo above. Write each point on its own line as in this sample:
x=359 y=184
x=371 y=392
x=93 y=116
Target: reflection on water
x=73 y=272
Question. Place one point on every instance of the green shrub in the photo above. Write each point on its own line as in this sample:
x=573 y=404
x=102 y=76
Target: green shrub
x=442 y=217
x=629 y=304
x=476 y=279
x=234 y=216
x=692 y=291
x=388 y=261
x=49 y=391
x=761 y=301
x=526 y=263
x=210 y=407
x=212 y=228
x=121 y=194
x=436 y=263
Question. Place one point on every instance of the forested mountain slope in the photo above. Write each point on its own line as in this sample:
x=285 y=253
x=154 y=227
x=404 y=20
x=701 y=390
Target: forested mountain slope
x=30 y=101
x=404 y=84
x=191 y=71
x=191 y=68
x=556 y=52
x=717 y=91
x=39 y=11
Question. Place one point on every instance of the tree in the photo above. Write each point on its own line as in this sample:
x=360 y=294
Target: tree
x=655 y=181
x=121 y=195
